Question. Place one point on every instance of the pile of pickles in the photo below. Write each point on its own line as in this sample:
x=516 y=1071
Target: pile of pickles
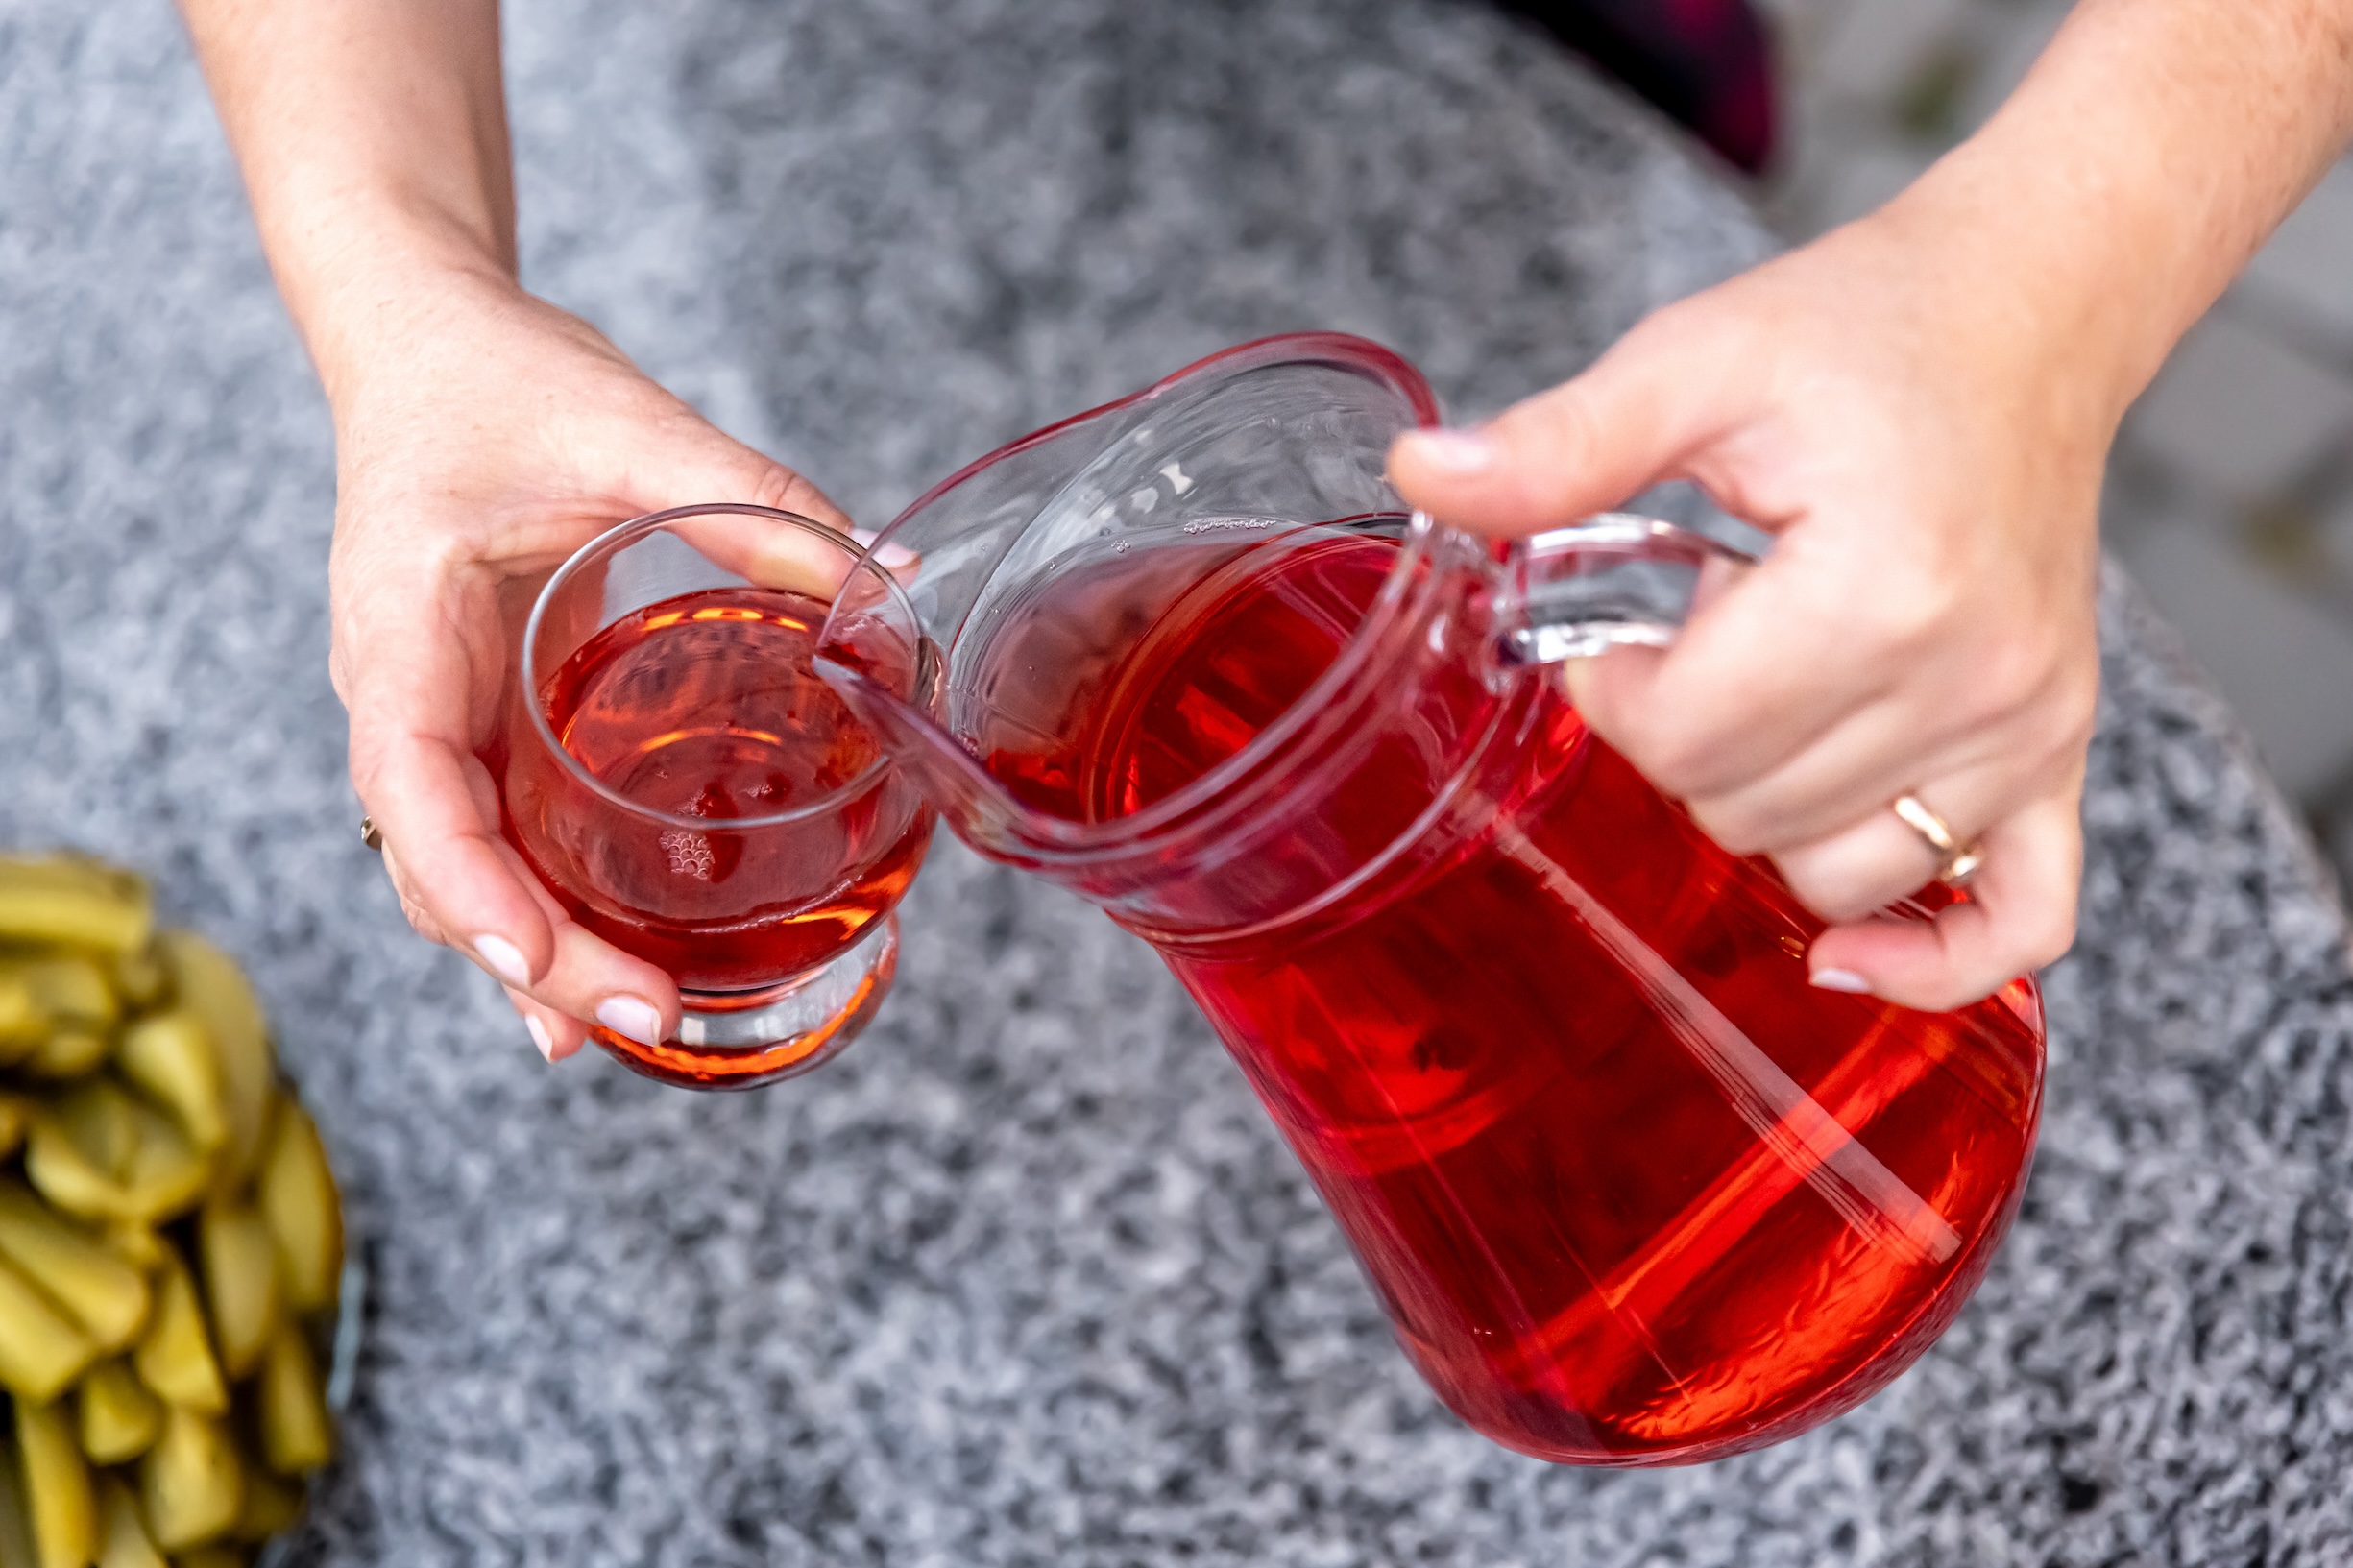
x=171 y=1243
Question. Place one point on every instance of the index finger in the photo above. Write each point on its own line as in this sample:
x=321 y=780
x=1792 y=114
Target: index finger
x=1761 y=672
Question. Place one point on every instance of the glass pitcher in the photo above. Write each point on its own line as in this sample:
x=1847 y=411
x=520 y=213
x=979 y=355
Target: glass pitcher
x=1630 y=1189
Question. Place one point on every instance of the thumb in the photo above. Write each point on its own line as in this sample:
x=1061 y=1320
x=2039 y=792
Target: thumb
x=1582 y=448
x=694 y=462
x=697 y=465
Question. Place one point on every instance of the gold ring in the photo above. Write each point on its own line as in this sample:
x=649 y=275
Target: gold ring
x=371 y=835
x=1956 y=862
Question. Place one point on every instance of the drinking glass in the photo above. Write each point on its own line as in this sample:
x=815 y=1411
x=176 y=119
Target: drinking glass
x=679 y=779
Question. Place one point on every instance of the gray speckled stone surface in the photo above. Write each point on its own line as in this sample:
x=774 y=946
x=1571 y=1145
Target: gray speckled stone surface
x=1027 y=1278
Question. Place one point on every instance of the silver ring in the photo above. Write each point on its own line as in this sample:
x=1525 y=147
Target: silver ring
x=1956 y=862
x=371 y=835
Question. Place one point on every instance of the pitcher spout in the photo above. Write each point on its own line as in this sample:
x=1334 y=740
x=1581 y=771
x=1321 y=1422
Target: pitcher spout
x=1219 y=457
x=1033 y=588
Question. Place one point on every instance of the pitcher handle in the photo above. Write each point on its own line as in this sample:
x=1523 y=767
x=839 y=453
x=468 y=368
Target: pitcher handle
x=1612 y=580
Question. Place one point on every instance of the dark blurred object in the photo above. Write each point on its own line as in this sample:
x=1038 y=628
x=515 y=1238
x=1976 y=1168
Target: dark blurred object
x=1706 y=63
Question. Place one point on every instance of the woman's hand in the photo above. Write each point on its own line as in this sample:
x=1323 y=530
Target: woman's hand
x=487 y=436
x=1919 y=406
x=1923 y=625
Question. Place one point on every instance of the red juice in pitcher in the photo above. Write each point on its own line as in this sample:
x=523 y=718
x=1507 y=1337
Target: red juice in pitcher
x=1632 y=1191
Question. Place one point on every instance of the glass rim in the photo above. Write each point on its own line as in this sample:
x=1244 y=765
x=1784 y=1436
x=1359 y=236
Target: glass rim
x=621 y=533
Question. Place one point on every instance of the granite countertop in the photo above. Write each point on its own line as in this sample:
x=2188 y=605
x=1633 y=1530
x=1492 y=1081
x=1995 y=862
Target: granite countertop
x=1026 y=1277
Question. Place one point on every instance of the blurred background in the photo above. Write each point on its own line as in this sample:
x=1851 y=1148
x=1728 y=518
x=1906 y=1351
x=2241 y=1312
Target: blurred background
x=2231 y=491
x=1030 y=1277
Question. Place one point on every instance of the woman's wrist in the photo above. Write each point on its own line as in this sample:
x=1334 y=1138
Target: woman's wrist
x=372 y=315
x=372 y=139
x=2148 y=156
x=2015 y=301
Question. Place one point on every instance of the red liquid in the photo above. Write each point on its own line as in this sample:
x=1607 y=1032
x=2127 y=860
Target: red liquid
x=1586 y=1245
x=705 y=706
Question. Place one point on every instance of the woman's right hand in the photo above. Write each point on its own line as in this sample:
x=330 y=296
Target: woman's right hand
x=483 y=435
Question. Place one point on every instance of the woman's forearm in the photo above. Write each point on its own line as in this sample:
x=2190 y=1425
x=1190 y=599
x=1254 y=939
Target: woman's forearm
x=2142 y=161
x=372 y=139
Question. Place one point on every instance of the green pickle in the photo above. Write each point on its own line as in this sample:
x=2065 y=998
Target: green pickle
x=60 y=1503
x=171 y=1241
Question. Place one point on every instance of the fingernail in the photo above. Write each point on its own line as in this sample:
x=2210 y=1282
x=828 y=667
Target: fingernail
x=504 y=961
x=1841 y=979
x=1457 y=451
x=891 y=556
x=630 y=1016
x=539 y=1036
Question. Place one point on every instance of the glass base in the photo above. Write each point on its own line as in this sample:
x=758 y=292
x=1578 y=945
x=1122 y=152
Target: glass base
x=744 y=1039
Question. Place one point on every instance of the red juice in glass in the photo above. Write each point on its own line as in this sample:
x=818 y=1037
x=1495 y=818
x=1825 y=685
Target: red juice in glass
x=705 y=706
x=683 y=784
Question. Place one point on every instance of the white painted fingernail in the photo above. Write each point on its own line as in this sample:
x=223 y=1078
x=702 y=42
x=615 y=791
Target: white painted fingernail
x=892 y=556
x=1457 y=451
x=1841 y=979
x=504 y=961
x=539 y=1036
x=630 y=1016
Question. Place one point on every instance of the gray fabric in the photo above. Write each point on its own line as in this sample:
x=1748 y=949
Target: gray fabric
x=1026 y=1278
